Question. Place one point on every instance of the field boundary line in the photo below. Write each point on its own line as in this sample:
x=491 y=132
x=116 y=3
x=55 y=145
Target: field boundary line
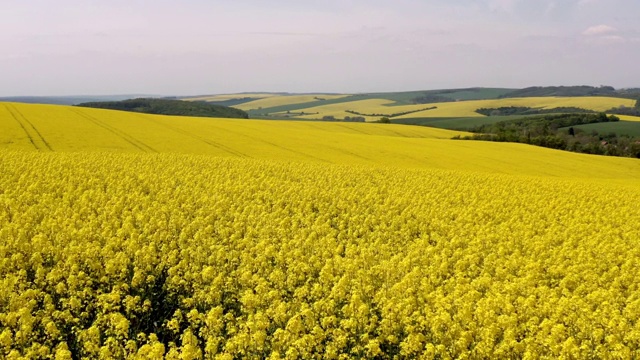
x=121 y=134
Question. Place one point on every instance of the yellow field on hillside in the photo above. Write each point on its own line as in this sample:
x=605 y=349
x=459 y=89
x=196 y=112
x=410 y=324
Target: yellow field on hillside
x=266 y=99
x=467 y=108
x=273 y=101
x=62 y=128
x=629 y=118
x=461 y=108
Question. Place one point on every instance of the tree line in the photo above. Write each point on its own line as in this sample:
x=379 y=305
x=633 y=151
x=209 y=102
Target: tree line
x=346 y=118
x=391 y=115
x=169 y=107
x=560 y=132
x=524 y=110
x=537 y=91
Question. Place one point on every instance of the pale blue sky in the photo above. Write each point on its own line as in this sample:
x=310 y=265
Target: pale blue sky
x=187 y=47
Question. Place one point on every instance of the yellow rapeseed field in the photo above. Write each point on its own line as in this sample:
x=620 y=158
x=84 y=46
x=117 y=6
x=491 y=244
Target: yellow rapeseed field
x=138 y=236
x=285 y=100
x=629 y=117
x=83 y=129
x=265 y=100
x=460 y=108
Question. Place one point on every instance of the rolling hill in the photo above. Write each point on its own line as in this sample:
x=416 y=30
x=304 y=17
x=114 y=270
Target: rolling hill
x=62 y=128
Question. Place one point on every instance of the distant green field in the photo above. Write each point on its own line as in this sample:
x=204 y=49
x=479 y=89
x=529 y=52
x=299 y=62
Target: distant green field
x=631 y=128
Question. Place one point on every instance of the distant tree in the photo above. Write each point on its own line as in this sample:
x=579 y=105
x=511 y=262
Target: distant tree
x=634 y=149
x=385 y=120
x=602 y=117
x=329 y=118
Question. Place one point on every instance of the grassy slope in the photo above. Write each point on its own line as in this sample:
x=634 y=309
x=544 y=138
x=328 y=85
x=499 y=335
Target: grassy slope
x=61 y=128
x=631 y=128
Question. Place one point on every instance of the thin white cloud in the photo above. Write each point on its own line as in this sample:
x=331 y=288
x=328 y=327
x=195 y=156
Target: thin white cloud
x=599 y=30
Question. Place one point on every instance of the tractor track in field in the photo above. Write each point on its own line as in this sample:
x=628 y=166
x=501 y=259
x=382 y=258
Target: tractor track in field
x=35 y=129
x=287 y=149
x=121 y=134
x=16 y=114
x=276 y=145
x=344 y=151
x=352 y=129
x=194 y=136
x=22 y=126
x=399 y=134
x=341 y=150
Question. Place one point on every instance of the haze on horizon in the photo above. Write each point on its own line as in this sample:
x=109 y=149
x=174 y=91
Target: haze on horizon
x=74 y=47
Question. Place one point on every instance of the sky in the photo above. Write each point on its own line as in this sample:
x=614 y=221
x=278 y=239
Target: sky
x=191 y=47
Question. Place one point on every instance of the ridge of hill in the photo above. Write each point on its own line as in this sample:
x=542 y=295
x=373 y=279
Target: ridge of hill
x=572 y=91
